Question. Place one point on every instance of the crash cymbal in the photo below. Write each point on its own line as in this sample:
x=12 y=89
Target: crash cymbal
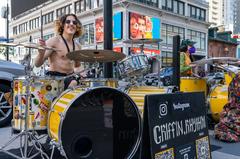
x=142 y=41
x=95 y=55
x=214 y=60
x=36 y=46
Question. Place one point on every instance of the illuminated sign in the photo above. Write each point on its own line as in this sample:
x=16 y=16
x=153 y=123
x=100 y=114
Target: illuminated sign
x=142 y=26
x=146 y=51
x=117 y=27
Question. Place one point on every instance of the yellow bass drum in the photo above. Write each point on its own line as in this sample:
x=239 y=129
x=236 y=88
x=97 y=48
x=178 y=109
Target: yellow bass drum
x=218 y=97
x=137 y=93
x=193 y=84
x=93 y=123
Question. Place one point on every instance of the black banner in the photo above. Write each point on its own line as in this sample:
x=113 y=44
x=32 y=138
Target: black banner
x=175 y=127
x=20 y=6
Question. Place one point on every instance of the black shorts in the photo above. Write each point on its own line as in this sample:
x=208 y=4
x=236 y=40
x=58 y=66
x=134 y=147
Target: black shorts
x=67 y=80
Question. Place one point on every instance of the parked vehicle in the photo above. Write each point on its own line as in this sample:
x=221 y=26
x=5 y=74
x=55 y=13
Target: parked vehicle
x=8 y=70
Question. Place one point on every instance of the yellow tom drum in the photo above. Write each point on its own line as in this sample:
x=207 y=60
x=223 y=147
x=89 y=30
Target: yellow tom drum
x=193 y=84
x=137 y=93
x=85 y=122
x=217 y=99
x=43 y=90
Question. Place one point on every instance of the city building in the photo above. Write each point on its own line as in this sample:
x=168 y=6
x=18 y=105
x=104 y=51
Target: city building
x=216 y=12
x=221 y=44
x=187 y=18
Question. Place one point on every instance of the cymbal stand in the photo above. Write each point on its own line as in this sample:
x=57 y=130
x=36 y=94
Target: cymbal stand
x=26 y=134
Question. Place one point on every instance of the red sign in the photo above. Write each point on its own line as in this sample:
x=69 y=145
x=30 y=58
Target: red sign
x=117 y=49
x=146 y=51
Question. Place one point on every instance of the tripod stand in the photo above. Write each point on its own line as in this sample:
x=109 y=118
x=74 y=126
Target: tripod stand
x=26 y=135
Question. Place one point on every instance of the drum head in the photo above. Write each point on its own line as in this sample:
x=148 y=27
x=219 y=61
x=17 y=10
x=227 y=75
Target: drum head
x=101 y=123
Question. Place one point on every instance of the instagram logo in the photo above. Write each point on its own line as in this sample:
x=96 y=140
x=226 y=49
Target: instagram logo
x=162 y=110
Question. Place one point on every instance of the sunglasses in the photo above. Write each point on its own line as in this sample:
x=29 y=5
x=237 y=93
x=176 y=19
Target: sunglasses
x=74 y=22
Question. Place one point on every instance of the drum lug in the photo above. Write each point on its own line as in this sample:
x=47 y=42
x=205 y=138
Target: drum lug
x=61 y=115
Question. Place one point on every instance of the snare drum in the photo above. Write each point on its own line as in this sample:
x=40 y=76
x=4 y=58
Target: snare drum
x=217 y=99
x=43 y=92
x=98 y=82
x=193 y=84
x=133 y=65
x=93 y=123
x=138 y=94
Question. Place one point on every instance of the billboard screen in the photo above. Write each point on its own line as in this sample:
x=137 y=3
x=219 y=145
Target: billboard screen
x=20 y=6
x=117 y=27
x=141 y=26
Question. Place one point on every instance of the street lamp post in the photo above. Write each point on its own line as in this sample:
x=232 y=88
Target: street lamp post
x=7 y=29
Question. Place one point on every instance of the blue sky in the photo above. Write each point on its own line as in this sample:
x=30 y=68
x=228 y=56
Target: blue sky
x=2 y=21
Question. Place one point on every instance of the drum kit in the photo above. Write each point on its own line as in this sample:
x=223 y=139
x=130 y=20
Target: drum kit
x=85 y=121
x=217 y=94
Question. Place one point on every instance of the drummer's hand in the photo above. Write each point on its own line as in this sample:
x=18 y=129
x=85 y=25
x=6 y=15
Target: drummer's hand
x=41 y=42
x=192 y=65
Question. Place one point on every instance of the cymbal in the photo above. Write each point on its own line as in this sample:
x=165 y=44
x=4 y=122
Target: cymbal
x=95 y=55
x=28 y=45
x=219 y=60
x=9 y=44
x=142 y=41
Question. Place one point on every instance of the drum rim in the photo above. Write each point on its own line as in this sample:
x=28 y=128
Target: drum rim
x=57 y=78
x=140 y=129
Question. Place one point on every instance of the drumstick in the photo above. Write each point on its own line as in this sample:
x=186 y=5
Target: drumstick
x=41 y=27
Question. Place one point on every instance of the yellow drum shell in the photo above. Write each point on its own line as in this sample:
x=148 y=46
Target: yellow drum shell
x=137 y=93
x=59 y=107
x=228 y=77
x=218 y=97
x=192 y=84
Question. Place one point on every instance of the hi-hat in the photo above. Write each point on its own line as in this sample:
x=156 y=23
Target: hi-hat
x=142 y=41
x=95 y=55
x=218 y=60
x=9 y=44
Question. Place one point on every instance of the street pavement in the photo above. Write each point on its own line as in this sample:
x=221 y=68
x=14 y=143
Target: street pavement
x=220 y=150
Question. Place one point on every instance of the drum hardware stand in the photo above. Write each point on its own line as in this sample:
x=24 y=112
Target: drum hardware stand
x=26 y=132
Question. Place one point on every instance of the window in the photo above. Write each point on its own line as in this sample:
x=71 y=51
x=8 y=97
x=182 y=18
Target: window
x=197 y=13
x=88 y=34
x=63 y=10
x=47 y=18
x=167 y=57
x=199 y=38
x=168 y=31
x=153 y=3
x=23 y=27
x=34 y=23
x=15 y=30
x=175 y=6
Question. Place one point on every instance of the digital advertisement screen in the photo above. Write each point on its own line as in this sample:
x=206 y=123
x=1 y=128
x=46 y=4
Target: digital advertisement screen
x=141 y=26
x=117 y=27
x=145 y=51
x=117 y=49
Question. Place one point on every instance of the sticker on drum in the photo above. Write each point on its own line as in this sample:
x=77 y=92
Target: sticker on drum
x=101 y=119
x=40 y=101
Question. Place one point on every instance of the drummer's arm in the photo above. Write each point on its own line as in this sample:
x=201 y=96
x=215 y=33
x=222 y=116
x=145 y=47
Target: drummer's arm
x=77 y=63
x=42 y=54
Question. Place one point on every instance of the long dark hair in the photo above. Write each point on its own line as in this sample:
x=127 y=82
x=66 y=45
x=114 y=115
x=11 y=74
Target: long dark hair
x=59 y=24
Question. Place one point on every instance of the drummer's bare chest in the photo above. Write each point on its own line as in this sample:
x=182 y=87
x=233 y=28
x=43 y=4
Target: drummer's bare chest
x=62 y=51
